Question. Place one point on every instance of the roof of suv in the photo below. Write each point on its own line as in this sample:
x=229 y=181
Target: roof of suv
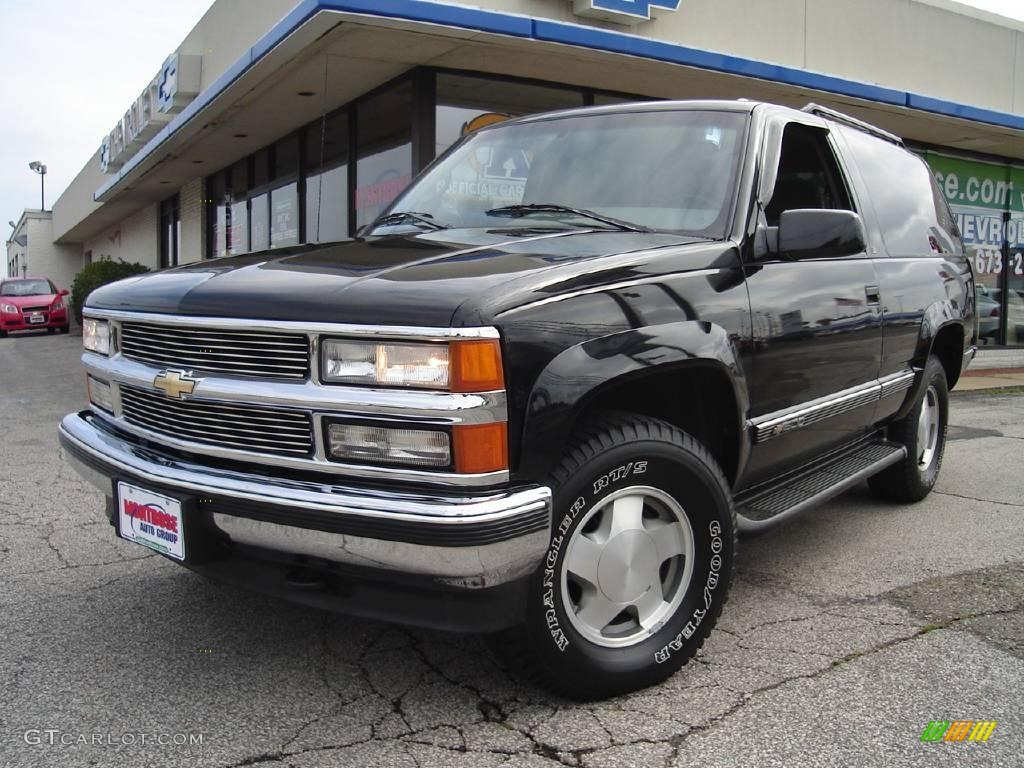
x=712 y=105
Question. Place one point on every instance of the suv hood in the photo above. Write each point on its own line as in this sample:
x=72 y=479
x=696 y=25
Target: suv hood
x=418 y=280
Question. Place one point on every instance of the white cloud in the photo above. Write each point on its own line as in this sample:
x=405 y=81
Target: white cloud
x=69 y=68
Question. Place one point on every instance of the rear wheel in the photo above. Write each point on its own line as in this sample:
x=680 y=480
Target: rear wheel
x=923 y=432
x=639 y=564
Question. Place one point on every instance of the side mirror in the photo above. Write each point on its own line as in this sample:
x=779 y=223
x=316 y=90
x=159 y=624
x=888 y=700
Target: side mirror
x=813 y=233
x=63 y=292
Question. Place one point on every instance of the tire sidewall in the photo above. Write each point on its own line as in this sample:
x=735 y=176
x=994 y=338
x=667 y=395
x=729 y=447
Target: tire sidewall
x=935 y=376
x=682 y=475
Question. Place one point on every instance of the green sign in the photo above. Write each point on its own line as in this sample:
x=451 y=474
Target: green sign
x=977 y=184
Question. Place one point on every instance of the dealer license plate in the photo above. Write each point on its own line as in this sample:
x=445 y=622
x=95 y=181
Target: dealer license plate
x=151 y=519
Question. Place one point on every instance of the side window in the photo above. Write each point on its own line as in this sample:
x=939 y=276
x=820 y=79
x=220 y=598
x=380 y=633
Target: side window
x=809 y=176
x=914 y=222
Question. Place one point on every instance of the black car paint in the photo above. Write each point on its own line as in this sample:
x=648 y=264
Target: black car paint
x=583 y=310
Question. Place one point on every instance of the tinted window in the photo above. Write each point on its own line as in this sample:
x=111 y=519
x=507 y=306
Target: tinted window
x=901 y=190
x=808 y=176
x=663 y=170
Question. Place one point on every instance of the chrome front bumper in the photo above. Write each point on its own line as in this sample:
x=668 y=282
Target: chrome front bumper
x=475 y=541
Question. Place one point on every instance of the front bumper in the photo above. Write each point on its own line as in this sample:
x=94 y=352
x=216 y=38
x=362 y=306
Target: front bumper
x=477 y=541
x=19 y=322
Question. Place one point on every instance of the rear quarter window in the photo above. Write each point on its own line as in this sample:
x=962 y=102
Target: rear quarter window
x=901 y=190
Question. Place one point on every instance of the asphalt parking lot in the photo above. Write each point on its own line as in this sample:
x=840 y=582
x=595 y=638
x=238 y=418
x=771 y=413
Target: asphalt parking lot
x=846 y=633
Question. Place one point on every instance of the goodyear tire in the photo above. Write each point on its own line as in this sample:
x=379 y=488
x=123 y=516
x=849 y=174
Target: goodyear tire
x=639 y=564
x=923 y=432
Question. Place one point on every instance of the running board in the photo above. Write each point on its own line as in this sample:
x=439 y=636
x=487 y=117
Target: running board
x=765 y=509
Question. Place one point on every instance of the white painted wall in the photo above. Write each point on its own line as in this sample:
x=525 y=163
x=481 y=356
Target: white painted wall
x=134 y=239
x=40 y=256
x=933 y=47
x=60 y=263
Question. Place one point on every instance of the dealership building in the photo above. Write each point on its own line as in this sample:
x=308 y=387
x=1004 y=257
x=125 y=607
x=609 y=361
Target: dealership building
x=275 y=124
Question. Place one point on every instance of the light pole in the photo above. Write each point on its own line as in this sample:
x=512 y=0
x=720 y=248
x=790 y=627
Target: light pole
x=7 y=254
x=39 y=168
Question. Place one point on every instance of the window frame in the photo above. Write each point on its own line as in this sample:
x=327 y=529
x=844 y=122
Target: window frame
x=169 y=215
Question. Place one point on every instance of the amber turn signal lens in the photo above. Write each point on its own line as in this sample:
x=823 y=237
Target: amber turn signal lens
x=476 y=366
x=480 y=447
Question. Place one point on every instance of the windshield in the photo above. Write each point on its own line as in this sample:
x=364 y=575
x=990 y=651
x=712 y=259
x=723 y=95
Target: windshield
x=26 y=288
x=660 y=170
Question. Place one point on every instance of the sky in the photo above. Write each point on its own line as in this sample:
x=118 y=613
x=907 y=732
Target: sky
x=69 y=68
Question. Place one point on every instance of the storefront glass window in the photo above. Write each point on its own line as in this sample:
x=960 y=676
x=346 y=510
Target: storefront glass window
x=217 y=194
x=327 y=205
x=237 y=238
x=259 y=234
x=239 y=228
x=284 y=215
x=465 y=104
x=384 y=161
x=327 y=179
x=991 y=220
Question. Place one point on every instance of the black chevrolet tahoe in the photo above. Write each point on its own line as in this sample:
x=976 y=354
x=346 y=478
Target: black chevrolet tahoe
x=542 y=395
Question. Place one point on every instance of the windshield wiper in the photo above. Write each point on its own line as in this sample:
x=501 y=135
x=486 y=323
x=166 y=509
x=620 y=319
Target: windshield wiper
x=400 y=217
x=526 y=210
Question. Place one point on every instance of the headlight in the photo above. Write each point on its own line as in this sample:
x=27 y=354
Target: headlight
x=100 y=394
x=96 y=336
x=381 y=445
x=458 y=366
x=10 y=309
x=58 y=304
x=467 y=448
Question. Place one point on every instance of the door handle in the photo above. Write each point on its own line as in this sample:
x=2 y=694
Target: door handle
x=874 y=296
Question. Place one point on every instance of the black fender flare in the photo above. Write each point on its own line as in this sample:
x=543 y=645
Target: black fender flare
x=937 y=316
x=580 y=373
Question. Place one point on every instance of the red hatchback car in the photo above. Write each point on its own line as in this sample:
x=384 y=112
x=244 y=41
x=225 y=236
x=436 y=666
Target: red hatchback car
x=32 y=303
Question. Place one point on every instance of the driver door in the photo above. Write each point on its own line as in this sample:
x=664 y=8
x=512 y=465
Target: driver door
x=817 y=323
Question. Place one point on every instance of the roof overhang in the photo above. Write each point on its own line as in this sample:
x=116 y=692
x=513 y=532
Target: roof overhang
x=340 y=49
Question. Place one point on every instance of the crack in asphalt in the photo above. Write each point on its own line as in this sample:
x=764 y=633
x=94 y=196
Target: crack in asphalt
x=977 y=498
x=493 y=711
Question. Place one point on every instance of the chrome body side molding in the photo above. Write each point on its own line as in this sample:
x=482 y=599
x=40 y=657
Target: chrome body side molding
x=779 y=422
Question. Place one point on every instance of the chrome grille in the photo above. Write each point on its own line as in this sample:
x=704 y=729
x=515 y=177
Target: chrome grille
x=237 y=426
x=258 y=354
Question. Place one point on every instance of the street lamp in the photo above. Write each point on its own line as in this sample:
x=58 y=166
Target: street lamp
x=39 y=168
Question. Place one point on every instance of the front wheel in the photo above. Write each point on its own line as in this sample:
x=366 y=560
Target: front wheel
x=923 y=432
x=639 y=563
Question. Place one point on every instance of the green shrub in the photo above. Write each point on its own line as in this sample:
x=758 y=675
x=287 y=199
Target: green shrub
x=92 y=276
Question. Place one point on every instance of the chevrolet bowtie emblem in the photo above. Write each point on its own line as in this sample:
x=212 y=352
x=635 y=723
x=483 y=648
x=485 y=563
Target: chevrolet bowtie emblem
x=175 y=384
